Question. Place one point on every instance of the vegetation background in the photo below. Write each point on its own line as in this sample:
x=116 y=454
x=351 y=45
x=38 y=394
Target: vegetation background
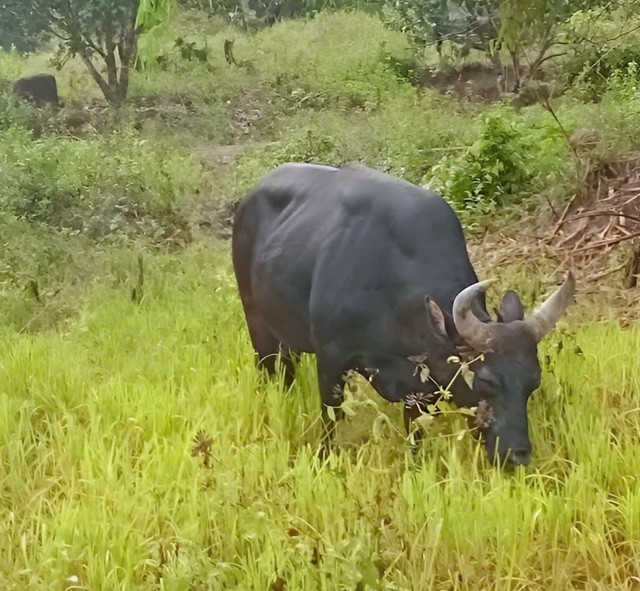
x=139 y=446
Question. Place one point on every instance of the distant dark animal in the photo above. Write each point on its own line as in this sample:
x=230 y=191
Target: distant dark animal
x=372 y=274
x=40 y=89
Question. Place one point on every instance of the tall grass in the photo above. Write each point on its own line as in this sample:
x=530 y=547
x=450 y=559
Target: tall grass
x=334 y=55
x=139 y=446
x=104 y=487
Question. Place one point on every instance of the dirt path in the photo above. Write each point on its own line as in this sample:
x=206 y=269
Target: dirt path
x=212 y=213
x=216 y=159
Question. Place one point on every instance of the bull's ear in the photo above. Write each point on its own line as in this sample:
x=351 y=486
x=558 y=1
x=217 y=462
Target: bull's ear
x=511 y=308
x=435 y=318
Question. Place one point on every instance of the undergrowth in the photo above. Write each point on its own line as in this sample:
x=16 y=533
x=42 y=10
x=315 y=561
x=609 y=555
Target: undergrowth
x=102 y=185
x=142 y=450
x=139 y=446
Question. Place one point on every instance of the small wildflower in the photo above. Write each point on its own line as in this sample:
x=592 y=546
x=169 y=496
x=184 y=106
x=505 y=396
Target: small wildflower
x=419 y=399
x=484 y=415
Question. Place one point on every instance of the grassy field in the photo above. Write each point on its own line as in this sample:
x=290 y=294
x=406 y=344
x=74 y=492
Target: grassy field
x=140 y=449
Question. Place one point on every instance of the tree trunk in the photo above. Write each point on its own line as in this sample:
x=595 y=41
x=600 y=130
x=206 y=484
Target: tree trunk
x=116 y=85
x=112 y=68
x=100 y=81
x=127 y=51
x=515 y=60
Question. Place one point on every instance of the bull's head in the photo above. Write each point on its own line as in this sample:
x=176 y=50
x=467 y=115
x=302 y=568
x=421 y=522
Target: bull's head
x=508 y=371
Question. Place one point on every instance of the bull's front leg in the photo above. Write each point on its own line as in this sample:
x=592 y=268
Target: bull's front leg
x=331 y=381
x=411 y=412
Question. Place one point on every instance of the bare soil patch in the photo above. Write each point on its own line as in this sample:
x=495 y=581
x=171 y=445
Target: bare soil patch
x=476 y=82
x=213 y=212
x=485 y=83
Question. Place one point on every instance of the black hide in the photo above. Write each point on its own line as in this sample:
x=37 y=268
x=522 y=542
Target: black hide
x=338 y=262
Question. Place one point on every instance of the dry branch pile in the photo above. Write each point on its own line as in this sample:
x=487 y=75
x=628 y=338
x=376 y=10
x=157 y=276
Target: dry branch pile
x=599 y=230
x=597 y=236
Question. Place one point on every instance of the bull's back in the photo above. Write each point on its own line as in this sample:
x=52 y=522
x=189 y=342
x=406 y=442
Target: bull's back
x=396 y=240
x=280 y=212
x=276 y=238
x=308 y=238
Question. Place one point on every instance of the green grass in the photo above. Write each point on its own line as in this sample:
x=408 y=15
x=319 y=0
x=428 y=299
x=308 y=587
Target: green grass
x=102 y=482
x=100 y=489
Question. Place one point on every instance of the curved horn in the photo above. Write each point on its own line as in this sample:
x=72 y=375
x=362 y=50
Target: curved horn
x=474 y=332
x=545 y=316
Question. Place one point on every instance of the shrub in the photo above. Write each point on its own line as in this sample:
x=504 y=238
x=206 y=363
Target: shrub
x=100 y=185
x=602 y=44
x=13 y=112
x=504 y=165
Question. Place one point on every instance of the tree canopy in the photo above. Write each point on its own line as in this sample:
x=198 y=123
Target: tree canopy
x=103 y=33
x=526 y=30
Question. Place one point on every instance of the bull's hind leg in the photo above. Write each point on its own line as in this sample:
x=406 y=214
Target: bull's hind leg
x=269 y=349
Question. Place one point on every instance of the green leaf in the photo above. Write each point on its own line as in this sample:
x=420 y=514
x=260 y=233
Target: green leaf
x=331 y=412
x=425 y=421
x=467 y=374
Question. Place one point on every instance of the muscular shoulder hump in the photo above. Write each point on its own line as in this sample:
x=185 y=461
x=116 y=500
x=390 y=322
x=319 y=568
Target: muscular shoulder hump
x=289 y=181
x=363 y=186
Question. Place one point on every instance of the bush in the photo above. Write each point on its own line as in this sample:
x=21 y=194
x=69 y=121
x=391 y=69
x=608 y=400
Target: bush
x=13 y=112
x=510 y=159
x=624 y=85
x=602 y=44
x=100 y=185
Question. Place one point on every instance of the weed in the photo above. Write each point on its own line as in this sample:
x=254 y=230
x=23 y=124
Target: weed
x=64 y=182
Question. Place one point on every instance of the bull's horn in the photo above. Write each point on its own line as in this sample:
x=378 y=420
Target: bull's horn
x=545 y=316
x=474 y=332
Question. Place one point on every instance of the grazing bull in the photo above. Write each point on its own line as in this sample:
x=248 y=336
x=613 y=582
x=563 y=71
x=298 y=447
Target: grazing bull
x=371 y=273
x=41 y=89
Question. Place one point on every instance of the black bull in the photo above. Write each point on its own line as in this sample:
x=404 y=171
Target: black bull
x=372 y=274
x=41 y=89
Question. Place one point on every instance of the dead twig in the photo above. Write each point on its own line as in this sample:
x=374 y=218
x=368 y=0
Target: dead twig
x=607 y=272
x=611 y=242
x=597 y=213
x=565 y=211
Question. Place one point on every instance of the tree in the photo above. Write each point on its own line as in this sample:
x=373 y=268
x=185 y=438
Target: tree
x=470 y=24
x=12 y=35
x=103 y=33
x=528 y=24
x=527 y=30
